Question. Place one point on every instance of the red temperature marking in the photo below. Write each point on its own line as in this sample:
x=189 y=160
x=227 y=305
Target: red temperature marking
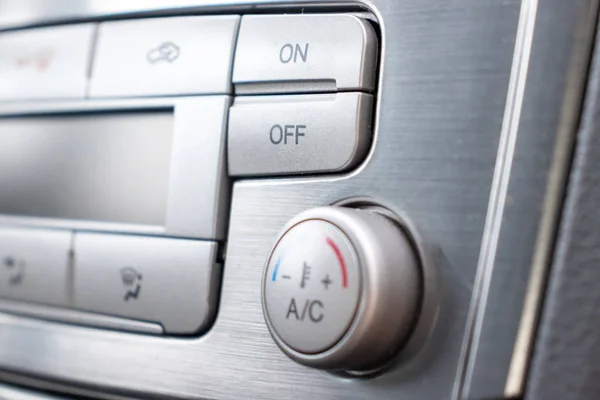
x=340 y=258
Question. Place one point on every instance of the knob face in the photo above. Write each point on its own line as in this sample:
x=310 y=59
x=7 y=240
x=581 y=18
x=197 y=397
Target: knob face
x=313 y=286
x=341 y=289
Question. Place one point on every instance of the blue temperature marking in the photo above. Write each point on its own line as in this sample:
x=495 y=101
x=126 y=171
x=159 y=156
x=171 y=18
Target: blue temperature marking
x=276 y=269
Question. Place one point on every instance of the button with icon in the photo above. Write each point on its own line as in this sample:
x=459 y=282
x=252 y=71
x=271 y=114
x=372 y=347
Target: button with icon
x=34 y=265
x=35 y=62
x=164 y=56
x=162 y=280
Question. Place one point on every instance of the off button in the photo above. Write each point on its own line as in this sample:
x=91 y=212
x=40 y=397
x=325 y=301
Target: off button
x=312 y=286
x=284 y=135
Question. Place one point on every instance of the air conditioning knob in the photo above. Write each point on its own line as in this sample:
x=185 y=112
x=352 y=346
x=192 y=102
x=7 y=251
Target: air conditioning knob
x=342 y=289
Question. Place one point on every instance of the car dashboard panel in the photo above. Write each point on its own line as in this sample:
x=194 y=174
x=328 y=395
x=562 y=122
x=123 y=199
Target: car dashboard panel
x=276 y=200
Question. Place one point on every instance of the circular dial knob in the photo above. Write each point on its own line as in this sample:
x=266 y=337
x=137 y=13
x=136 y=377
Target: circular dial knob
x=341 y=289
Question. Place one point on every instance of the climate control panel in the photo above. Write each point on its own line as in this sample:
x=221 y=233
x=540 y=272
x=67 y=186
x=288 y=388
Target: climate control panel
x=232 y=199
x=125 y=169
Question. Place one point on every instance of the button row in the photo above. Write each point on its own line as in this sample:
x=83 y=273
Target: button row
x=172 y=282
x=189 y=55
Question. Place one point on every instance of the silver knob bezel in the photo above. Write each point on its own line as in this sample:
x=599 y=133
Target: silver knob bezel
x=372 y=338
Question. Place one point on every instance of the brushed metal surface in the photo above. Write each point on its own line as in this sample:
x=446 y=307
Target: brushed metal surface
x=443 y=82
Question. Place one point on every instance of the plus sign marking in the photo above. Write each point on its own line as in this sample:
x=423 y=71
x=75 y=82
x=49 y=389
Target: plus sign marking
x=326 y=281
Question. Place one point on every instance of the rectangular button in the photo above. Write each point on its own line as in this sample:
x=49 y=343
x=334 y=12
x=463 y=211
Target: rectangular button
x=305 y=53
x=34 y=265
x=274 y=135
x=198 y=198
x=173 y=282
x=166 y=56
x=48 y=63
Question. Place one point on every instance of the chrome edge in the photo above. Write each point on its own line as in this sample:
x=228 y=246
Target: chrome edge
x=555 y=191
x=502 y=172
x=76 y=317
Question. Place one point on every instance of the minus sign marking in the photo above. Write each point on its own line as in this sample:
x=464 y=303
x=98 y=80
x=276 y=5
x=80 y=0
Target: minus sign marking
x=286 y=277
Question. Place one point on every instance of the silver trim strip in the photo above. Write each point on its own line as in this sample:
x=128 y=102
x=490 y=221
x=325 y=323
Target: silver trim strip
x=553 y=199
x=33 y=12
x=15 y=393
x=31 y=387
x=78 y=317
x=502 y=172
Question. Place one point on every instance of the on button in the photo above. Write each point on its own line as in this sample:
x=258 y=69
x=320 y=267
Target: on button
x=305 y=53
